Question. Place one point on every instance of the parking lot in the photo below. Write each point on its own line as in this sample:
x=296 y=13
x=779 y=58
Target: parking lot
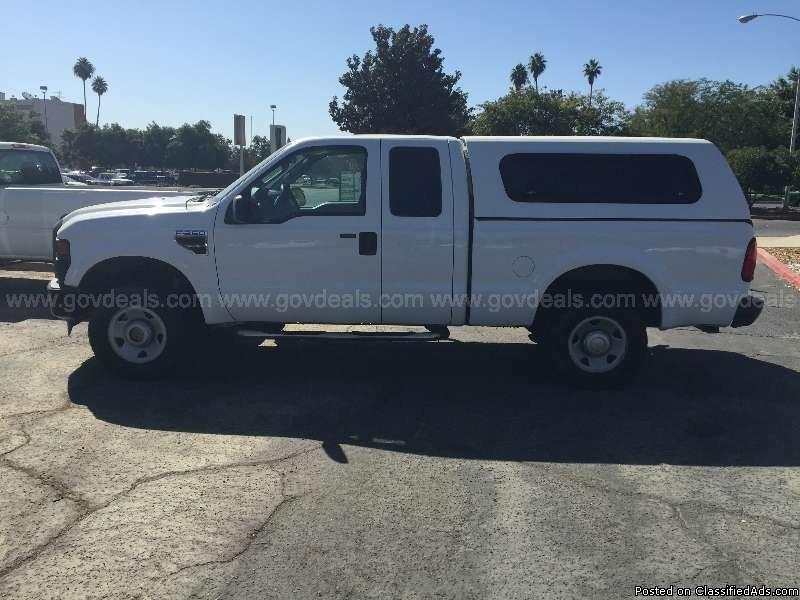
x=455 y=469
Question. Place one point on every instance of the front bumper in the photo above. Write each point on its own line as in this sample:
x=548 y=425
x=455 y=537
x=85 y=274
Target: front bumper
x=63 y=301
x=747 y=312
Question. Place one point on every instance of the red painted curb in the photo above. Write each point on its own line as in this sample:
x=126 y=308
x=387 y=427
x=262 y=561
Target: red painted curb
x=780 y=269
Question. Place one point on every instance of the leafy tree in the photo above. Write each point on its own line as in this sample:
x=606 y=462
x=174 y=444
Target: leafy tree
x=553 y=112
x=784 y=89
x=260 y=148
x=195 y=147
x=519 y=77
x=155 y=139
x=83 y=70
x=592 y=70
x=99 y=87
x=537 y=64
x=400 y=87
x=79 y=146
x=729 y=114
x=761 y=170
x=16 y=126
x=117 y=146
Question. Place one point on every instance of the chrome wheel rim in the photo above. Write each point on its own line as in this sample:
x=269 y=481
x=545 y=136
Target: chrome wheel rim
x=137 y=335
x=597 y=344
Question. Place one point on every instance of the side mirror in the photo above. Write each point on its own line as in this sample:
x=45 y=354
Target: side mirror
x=241 y=209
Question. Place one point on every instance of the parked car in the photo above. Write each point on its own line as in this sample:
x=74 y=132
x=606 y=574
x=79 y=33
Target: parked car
x=112 y=179
x=586 y=241
x=34 y=196
x=78 y=176
x=73 y=182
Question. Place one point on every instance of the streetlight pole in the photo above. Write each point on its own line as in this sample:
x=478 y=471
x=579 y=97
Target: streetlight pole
x=747 y=19
x=273 y=107
x=44 y=104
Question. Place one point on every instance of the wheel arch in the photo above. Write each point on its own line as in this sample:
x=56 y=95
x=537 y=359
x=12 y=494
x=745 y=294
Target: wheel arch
x=122 y=270
x=606 y=278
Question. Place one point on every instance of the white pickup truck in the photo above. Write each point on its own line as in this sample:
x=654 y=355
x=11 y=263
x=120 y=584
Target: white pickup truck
x=34 y=196
x=586 y=241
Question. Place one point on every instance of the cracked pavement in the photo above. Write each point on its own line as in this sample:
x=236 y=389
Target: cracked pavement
x=451 y=470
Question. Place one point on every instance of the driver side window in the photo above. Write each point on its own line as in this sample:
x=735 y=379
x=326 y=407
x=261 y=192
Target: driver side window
x=325 y=180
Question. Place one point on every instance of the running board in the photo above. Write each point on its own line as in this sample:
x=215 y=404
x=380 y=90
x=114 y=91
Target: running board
x=387 y=336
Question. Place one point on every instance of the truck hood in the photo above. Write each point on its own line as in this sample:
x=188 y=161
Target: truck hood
x=154 y=205
x=156 y=211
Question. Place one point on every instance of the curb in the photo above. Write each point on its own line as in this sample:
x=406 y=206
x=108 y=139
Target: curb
x=780 y=269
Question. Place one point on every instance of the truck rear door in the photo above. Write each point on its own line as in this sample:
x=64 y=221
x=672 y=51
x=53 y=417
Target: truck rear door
x=416 y=232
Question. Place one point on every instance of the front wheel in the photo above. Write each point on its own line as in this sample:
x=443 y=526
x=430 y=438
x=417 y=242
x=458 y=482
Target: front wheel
x=139 y=336
x=597 y=348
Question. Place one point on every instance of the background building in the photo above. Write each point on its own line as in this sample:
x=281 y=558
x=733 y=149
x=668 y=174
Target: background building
x=60 y=115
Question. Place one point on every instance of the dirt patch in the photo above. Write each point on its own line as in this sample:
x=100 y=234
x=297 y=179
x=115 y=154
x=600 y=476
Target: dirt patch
x=788 y=256
x=26 y=270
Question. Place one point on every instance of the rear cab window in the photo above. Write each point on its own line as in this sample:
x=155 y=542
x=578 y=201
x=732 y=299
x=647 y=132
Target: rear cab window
x=415 y=182
x=600 y=178
x=28 y=167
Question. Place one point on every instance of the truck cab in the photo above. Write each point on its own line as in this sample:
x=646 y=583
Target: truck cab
x=424 y=230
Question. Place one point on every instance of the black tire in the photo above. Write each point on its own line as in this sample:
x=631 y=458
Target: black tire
x=568 y=343
x=157 y=358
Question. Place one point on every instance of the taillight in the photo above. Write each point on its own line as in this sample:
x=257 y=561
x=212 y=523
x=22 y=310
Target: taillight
x=749 y=264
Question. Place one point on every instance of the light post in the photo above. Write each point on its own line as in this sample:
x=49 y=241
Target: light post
x=44 y=103
x=273 y=107
x=747 y=19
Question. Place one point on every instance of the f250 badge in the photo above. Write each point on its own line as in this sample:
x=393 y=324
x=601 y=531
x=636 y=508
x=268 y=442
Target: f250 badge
x=195 y=240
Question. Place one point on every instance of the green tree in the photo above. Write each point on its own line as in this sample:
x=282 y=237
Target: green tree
x=16 y=126
x=99 y=87
x=537 y=64
x=729 y=114
x=155 y=139
x=117 y=146
x=83 y=70
x=79 y=146
x=592 y=70
x=196 y=147
x=519 y=77
x=553 y=112
x=760 y=170
x=260 y=148
x=400 y=87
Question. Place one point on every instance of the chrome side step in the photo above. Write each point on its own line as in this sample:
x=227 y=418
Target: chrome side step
x=388 y=336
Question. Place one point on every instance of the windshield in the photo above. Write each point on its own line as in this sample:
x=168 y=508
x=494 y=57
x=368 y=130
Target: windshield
x=232 y=186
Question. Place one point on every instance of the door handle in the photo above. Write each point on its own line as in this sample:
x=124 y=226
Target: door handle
x=367 y=243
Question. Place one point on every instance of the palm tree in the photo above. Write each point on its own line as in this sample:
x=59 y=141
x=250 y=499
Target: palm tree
x=592 y=70
x=537 y=64
x=519 y=77
x=83 y=69
x=99 y=87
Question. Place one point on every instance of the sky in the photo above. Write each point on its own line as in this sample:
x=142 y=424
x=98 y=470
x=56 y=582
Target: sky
x=174 y=61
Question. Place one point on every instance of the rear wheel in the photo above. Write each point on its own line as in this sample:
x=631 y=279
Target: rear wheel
x=140 y=336
x=597 y=348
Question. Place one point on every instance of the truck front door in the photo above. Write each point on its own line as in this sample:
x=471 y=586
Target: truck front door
x=301 y=243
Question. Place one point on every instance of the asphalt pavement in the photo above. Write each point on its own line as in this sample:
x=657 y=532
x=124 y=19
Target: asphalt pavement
x=457 y=469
